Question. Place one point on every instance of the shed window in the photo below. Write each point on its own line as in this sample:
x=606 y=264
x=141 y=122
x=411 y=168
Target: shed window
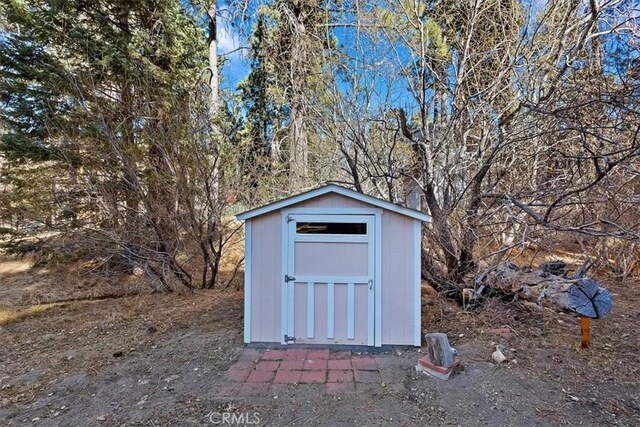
x=331 y=228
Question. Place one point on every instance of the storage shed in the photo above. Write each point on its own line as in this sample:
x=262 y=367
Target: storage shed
x=332 y=266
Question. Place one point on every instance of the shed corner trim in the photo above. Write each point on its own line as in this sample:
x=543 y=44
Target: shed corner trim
x=247 y=282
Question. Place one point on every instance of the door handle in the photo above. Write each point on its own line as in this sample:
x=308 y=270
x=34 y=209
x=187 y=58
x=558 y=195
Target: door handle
x=370 y=284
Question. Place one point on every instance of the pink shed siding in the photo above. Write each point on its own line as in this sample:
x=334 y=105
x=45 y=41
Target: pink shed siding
x=397 y=281
x=265 y=278
x=398 y=287
x=331 y=201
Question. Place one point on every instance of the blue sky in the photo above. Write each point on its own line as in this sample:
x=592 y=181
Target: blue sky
x=235 y=67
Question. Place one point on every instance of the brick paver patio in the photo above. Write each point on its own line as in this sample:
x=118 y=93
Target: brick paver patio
x=338 y=372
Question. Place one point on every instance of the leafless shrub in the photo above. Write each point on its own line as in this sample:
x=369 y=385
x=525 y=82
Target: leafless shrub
x=520 y=125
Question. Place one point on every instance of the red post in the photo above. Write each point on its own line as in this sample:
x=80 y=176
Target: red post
x=586 y=332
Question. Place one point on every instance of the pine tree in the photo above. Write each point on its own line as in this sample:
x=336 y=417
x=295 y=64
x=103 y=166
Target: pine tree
x=284 y=83
x=74 y=76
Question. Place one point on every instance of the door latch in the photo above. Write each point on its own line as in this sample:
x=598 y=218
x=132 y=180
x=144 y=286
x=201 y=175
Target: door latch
x=287 y=339
x=370 y=284
x=288 y=278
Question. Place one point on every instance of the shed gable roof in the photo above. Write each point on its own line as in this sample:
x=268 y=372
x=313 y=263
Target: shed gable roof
x=332 y=188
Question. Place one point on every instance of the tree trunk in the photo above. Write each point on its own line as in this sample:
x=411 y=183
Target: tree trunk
x=298 y=145
x=214 y=95
x=534 y=285
x=298 y=138
x=126 y=151
x=212 y=43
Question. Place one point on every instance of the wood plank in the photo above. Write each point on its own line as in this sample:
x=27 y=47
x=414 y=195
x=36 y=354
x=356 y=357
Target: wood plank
x=331 y=306
x=310 y=309
x=351 y=311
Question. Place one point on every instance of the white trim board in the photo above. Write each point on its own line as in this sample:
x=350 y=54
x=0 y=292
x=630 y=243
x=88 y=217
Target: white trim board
x=332 y=188
x=378 y=282
x=284 y=296
x=417 y=275
x=247 y=282
x=333 y=211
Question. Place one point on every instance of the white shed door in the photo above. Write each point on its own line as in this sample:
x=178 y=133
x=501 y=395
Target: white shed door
x=329 y=282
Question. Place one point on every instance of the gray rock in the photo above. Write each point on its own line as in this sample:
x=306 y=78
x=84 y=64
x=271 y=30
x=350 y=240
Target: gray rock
x=439 y=351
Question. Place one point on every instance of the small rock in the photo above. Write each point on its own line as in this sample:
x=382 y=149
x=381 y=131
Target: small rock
x=498 y=356
x=101 y=418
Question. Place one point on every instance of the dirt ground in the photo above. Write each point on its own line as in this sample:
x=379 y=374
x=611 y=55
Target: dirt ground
x=145 y=359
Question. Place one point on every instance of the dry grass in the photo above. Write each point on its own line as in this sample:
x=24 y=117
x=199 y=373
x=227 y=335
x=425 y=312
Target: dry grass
x=10 y=315
x=11 y=266
x=24 y=284
x=83 y=336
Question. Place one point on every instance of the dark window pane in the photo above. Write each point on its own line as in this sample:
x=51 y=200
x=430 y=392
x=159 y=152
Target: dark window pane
x=331 y=228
